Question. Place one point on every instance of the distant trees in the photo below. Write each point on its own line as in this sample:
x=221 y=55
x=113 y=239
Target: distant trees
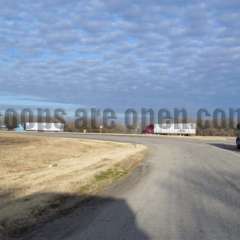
x=11 y=119
x=71 y=126
x=205 y=127
x=210 y=128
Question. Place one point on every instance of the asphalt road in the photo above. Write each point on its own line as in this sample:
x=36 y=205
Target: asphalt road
x=186 y=189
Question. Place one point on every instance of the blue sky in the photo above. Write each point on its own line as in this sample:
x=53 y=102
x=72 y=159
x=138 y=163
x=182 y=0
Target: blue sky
x=119 y=54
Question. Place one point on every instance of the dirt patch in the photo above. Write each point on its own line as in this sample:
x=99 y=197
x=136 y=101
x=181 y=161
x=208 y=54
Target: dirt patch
x=32 y=166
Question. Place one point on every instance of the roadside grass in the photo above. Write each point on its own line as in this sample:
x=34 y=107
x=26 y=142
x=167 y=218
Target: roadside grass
x=112 y=174
x=43 y=178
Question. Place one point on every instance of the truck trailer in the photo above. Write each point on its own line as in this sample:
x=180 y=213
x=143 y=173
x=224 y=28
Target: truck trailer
x=44 y=126
x=171 y=129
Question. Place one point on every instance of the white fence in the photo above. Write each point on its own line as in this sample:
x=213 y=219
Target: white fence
x=176 y=128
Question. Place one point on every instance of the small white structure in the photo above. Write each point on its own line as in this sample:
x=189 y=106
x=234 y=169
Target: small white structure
x=44 y=127
x=176 y=128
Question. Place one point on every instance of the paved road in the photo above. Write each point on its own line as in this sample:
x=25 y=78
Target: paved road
x=186 y=189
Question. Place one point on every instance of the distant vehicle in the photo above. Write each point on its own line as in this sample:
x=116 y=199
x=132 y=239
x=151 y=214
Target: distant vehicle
x=238 y=137
x=44 y=127
x=149 y=129
x=171 y=129
x=238 y=142
x=19 y=128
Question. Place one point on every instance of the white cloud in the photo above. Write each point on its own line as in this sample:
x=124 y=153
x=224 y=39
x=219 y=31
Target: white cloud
x=80 y=49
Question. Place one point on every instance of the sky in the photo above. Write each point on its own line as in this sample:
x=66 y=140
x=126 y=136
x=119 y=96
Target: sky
x=119 y=53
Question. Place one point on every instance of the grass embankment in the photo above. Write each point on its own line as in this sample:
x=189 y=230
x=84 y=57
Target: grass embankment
x=38 y=174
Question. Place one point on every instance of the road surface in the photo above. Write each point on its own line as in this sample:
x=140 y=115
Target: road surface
x=186 y=189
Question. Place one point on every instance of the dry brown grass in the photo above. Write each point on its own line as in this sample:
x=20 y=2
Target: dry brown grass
x=33 y=165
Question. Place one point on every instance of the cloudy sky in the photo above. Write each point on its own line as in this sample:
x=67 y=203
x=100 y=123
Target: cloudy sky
x=119 y=53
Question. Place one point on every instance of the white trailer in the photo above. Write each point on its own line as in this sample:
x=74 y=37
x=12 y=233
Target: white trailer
x=44 y=127
x=176 y=128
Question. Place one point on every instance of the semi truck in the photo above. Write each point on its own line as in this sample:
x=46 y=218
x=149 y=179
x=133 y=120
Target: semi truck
x=171 y=129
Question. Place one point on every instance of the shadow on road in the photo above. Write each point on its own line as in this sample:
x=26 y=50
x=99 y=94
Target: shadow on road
x=229 y=147
x=72 y=218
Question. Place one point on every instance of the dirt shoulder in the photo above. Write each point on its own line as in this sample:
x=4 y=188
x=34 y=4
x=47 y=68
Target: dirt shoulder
x=193 y=137
x=32 y=167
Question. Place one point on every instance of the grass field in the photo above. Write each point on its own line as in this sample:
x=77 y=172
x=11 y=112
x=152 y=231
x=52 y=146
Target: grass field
x=35 y=170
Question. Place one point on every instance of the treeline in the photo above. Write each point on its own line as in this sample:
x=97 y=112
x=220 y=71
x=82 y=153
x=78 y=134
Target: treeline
x=12 y=121
x=204 y=128
x=218 y=128
x=216 y=132
x=93 y=127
